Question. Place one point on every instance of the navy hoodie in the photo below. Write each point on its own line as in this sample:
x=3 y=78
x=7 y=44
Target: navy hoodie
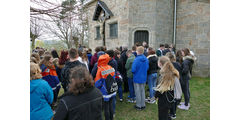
x=139 y=69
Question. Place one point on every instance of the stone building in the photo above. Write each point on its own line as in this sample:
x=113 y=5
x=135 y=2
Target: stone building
x=153 y=21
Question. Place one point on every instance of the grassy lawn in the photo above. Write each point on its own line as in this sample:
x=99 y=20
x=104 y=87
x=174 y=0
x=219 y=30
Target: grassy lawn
x=199 y=110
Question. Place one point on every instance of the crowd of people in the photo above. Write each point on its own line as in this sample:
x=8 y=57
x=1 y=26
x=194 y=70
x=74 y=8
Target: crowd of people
x=92 y=82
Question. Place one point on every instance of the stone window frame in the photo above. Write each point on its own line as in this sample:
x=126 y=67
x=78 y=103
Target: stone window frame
x=109 y=24
x=97 y=38
x=145 y=28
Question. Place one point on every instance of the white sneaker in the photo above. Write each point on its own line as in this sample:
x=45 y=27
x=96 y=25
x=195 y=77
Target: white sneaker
x=183 y=107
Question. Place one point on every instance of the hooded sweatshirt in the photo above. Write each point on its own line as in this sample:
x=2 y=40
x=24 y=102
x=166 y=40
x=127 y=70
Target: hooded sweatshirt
x=139 y=69
x=41 y=97
x=153 y=64
x=128 y=66
x=100 y=80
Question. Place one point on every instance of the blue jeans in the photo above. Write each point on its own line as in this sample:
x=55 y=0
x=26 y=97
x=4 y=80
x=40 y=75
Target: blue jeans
x=120 y=93
x=152 y=80
x=131 y=88
x=114 y=103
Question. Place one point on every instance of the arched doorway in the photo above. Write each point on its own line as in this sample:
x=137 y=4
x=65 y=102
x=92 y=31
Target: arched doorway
x=140 y=36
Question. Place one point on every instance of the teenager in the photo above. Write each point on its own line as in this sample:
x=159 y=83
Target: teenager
x=166 y=50
x=159 y=51
x=41 y=95
x=83 y=58
x=124 y=72
x=89 y=55
x=177 y=66
x=54 y=54
x=73 y=62
x=165 y=88
x=139 y=69
x=128 y=66
x=82 y=101
x=187 y=64
x=50 y=75
x=179 y=56
x=94 y=58
x=119 y=78
x=106 y=75
x=152 y=74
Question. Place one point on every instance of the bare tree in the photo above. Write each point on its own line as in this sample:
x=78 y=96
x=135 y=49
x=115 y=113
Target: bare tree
x=35 y=31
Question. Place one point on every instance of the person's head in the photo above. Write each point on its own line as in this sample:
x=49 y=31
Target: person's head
x=140 y=50
x=129 y=53
x=80 y=53
x=97 y=49
x=151 y=51
x=80 y=80
x=138 y=44
x=110 y=53
x=144 y=43
x=84 y=56
x=134 y=48
x=47 y=60
x=179 y=53
x=104 y=48
x=166 y=46
x=47 y=53
x=185 y=52
x=171 y=57
x=35 y=71
x=168 y=73
x=73 y=53
x=54 y=53
x=101 y=48
x=35 y=57
x=40 y=52
x=125 y=48
x=161 y=46
x=117 y=54
x=89 y=51
x=63 y=57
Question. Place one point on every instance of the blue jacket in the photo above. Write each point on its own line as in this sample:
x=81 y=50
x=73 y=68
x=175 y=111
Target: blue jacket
x=139 y=69
x=41 y=97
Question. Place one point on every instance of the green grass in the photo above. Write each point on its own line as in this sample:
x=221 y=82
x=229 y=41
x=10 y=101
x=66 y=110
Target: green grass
x=199 y=110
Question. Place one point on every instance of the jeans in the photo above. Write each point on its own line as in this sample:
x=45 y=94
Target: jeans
x=152 y=81
x=108 y=109
x=120 y=92
x=131 y=88
x=140 y=94
x=186 y=92
x=114 y=103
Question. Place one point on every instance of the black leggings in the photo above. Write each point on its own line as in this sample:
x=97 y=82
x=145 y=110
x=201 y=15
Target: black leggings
x=108 y=109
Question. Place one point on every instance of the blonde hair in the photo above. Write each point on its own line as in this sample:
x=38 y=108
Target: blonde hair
x=171 y=56
x=35 y=71
x=140 y=49
x=168 y=74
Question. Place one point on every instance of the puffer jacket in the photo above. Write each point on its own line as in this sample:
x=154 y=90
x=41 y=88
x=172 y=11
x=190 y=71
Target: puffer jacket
x=153 y=64
x=41 y=98
x=139 y=69
x=100 y=80
x=187 y=65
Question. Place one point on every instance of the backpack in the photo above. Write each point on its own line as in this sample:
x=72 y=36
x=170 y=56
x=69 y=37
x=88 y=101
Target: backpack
x=111 y=83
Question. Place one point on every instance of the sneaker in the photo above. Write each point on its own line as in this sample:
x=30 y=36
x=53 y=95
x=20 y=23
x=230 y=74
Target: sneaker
x=147 y=99
x=173 y=116
x=120 y=100
x=137 y=108
x=130 y=100
x=134 y=101
x=183 y=107
x=152 y=101
x=142 y=108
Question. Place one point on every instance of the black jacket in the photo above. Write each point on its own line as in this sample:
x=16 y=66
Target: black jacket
x=85 y=106
x=153 y=64
x=178 y=67
x=165 y=99
x=166 y=51
x=66 y=71
x=187 y=68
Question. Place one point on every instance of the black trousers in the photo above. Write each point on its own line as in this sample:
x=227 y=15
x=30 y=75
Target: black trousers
x=125 y=82
x=186 y=91
x=173 y=108
x=163 y=113
x=108 y=109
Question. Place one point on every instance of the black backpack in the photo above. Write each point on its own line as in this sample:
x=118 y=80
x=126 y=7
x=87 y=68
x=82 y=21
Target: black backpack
x=111 y=83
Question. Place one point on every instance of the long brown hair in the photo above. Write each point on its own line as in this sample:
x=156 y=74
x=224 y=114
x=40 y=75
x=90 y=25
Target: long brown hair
x=46 y=61
x=168 y=74
x=80 y=79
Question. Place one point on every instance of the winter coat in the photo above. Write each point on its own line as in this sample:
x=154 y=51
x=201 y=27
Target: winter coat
x=120 y=66
x=100 y=80
x=179 y=68
x=159 y=52
x=50 y=75
x=66 y=71
x=139 y=69
x=94 y=59
x=41 y=98
x=164 y=98
x=128 y=66
x=85 y=106
x=113 y=63
x=153 y=64
x=187 y=68
x=166 y=51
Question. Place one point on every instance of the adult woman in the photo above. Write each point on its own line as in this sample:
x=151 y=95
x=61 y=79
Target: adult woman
x=187 y=64
x=152 y=74
x=41 y=95
x=50 y=75
x=164 y=90
x=83 y=101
